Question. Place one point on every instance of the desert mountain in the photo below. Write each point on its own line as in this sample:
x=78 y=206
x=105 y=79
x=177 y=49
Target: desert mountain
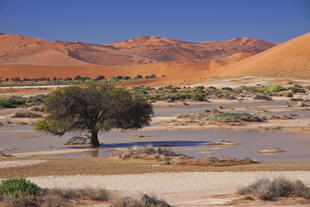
x=16 y=49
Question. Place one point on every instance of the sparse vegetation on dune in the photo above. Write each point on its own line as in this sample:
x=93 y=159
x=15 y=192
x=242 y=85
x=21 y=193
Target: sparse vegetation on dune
x=271 y=190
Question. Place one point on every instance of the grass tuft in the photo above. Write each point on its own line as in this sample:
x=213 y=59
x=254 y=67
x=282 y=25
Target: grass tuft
x=271 y=190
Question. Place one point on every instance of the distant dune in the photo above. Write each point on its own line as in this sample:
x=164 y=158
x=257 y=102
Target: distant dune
x=289 y=60
x=16 y=49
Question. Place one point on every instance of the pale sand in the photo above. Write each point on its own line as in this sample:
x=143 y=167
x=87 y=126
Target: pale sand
x=20 y=163
x=177 y=188
x=52 y=152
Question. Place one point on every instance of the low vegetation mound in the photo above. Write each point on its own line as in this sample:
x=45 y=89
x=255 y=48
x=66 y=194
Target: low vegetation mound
x=271 y=190
x=145 y=201
x=26 y=114
x=211 y=117
x=151 y=153
x=169 y=157
x=236 y=117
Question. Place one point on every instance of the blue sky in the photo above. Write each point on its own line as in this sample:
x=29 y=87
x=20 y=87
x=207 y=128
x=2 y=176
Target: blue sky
x=105 y=21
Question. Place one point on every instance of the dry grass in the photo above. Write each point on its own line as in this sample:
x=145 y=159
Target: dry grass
x=55 y=198
x=26 y=114
x=266 y=189
x=145 y=201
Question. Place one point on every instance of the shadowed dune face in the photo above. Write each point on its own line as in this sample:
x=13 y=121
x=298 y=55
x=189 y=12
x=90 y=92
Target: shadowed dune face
x=16 y=49
x=165 y=49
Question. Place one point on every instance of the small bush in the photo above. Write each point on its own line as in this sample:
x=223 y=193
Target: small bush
x=19 y=186
x=263 y=97
x=26 y=114
x=87 y=193
x=145 y=201
x=236 y=117
x=12 y=102
x=266 y=189
x=271 y=89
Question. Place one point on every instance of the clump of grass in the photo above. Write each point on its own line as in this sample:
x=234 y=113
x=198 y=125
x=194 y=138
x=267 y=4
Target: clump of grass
x=237 y=117
x=12 y=102
x=150 y=152
x=271 y=190
x=271 y=89
x=83 y=194
x=145 y=201
x=26 y=114
x=262 y=97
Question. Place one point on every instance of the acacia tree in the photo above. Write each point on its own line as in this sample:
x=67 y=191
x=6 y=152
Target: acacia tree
x=94 y=109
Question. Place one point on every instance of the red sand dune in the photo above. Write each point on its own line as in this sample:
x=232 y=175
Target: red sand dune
x=16 y=49
x=290 y=59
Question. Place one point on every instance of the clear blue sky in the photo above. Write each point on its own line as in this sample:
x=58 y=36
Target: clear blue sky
x=105 y=21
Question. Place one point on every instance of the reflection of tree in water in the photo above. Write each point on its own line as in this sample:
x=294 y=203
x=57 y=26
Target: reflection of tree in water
x=95 y=153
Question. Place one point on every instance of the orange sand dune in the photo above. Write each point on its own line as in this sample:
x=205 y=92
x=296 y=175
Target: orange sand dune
x=165 y=49
x=173 y=71
x=17 y=49
x=289 y=59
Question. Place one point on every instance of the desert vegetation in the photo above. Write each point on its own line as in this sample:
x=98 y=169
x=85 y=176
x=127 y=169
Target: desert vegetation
x=271 y=190
x=168 y=157
x=17 y=101
x=200 y=93
x=94 y=109
x=17 y=81
x=19 y=192
x=211 y=117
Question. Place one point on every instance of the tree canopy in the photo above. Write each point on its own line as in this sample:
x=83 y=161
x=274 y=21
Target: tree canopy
x=94 y=109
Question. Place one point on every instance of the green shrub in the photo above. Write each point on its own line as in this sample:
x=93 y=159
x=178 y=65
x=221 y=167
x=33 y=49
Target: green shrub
x=12 y=102
x=17 y=186
x=271 y=89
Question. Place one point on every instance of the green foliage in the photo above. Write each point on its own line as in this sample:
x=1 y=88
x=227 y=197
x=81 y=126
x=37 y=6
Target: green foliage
x=18 y=186
x=12 y=102
x=94 y=109
x=271 y=89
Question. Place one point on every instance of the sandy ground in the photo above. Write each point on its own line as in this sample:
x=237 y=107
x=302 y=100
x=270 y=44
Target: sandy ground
x=180 y=189
x=51 y=152
x=20 y=163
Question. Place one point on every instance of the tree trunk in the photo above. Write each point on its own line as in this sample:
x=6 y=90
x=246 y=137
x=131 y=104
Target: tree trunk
x=94 y=139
